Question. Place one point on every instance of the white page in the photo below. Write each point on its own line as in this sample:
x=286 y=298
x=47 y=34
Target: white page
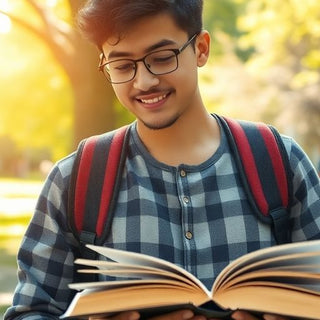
x=142 y=274
x=133 y=258
x=262 y=254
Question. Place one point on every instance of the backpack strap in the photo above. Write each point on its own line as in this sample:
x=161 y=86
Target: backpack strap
x=94 y=185
x=264 y=170
x=259 y=153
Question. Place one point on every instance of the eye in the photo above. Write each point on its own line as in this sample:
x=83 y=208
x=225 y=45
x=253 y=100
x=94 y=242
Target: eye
x=121 y=66
x=162 y=57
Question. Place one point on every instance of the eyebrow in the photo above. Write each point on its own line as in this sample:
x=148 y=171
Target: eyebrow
x=158 y=45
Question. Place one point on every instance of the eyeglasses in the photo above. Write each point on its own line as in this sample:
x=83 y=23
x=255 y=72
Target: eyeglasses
x=157 y=62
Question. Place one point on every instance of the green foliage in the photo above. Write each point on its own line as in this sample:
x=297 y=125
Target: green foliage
x=286 y=37
x=279 y=30
x=220 y=18
x=266 y=65
x=221 y=15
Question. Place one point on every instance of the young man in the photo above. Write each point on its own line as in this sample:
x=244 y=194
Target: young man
x=180 y=197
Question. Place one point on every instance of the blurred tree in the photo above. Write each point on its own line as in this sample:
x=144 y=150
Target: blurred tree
x=220 y=18
x=94 y=102
x=266 y=64
x=8 y=151
x=286 y=38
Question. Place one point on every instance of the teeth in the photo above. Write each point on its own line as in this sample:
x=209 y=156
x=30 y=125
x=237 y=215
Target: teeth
x=154 y=100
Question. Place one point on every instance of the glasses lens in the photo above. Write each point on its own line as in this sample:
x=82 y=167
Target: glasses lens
x=161 y=62
x=120 y=70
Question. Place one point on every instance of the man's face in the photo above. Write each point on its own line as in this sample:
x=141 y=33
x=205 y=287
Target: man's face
x=157 y=101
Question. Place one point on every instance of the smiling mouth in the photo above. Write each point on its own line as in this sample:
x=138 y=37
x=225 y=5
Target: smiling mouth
x=153 y=100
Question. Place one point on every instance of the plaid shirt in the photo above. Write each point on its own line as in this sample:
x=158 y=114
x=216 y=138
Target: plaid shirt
x=195 y=216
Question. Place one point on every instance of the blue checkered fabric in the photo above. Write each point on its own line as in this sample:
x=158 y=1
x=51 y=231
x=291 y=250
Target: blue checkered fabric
x=197 y=217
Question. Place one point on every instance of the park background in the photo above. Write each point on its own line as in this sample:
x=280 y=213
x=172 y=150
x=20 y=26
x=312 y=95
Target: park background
x=264 y=66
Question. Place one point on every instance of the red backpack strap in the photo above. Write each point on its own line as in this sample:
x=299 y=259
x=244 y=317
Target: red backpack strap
x=94 y=185
x=264 y=170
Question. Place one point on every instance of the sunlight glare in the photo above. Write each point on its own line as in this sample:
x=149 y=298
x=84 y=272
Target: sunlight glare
x=51 y=3
x=5 y=24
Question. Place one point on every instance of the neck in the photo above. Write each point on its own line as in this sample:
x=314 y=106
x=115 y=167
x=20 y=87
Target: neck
x=191 y=140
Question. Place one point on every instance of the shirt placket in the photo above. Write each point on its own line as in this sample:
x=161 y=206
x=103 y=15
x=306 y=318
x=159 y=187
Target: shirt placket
x=188 y=237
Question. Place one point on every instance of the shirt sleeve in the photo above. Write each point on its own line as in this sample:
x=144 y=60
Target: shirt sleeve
x=305 y=205
x=46 y=255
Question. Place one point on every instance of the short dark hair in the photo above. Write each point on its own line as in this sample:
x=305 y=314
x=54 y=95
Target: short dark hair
x=100 y=19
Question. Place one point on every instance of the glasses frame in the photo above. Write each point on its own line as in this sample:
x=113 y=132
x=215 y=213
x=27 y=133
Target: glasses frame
x=143 y=59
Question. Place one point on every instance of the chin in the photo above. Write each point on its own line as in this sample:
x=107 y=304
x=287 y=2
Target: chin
x=158 y=125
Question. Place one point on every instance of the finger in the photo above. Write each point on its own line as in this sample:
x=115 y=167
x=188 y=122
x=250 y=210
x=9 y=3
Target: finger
x=129 y=315
x=273 y=317
x=177 y=315
x=243 y=315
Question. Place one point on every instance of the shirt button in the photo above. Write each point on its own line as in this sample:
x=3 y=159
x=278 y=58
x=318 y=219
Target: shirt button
x=189 y=235
x=183 y=173
x=186 y=200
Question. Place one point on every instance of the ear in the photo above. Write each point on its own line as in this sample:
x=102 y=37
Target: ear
x=203 y=48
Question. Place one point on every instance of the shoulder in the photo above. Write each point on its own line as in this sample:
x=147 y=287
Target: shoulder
x=63 y=168
x=297 y=156
x=292 y=147
x=65 y=165
x=304 y=174
x=57 y=181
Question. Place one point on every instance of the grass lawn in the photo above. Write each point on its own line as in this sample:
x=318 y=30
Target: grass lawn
x=17 y=201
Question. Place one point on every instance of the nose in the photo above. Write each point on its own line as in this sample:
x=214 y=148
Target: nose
x=144 y=79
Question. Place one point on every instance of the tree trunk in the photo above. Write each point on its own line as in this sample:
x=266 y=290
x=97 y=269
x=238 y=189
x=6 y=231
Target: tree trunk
x=94 y=100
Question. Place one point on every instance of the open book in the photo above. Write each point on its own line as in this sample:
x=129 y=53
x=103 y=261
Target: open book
x=282 y=280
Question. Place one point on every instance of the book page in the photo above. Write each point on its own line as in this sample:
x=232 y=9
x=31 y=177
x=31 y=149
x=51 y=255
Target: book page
x=134 y=298
x=111 y=265
x=286 y=262
x=133 y=258
x=267 y=299
x=268 y=253
x=105 y=265
x=278 y=278
x=142 y=273
x=312 y=268
x=107 y=285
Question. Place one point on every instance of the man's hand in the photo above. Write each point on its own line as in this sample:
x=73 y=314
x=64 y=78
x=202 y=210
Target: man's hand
x=188 y=315
x=130 y=315
x=180 y=315
x=177 y=315
x=242 y=315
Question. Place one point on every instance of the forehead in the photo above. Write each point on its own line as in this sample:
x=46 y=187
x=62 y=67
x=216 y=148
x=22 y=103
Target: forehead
x=144 y=34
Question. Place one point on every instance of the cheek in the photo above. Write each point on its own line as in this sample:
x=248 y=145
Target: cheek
x=121 y=93
x=188 y=70
x=187 y=78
